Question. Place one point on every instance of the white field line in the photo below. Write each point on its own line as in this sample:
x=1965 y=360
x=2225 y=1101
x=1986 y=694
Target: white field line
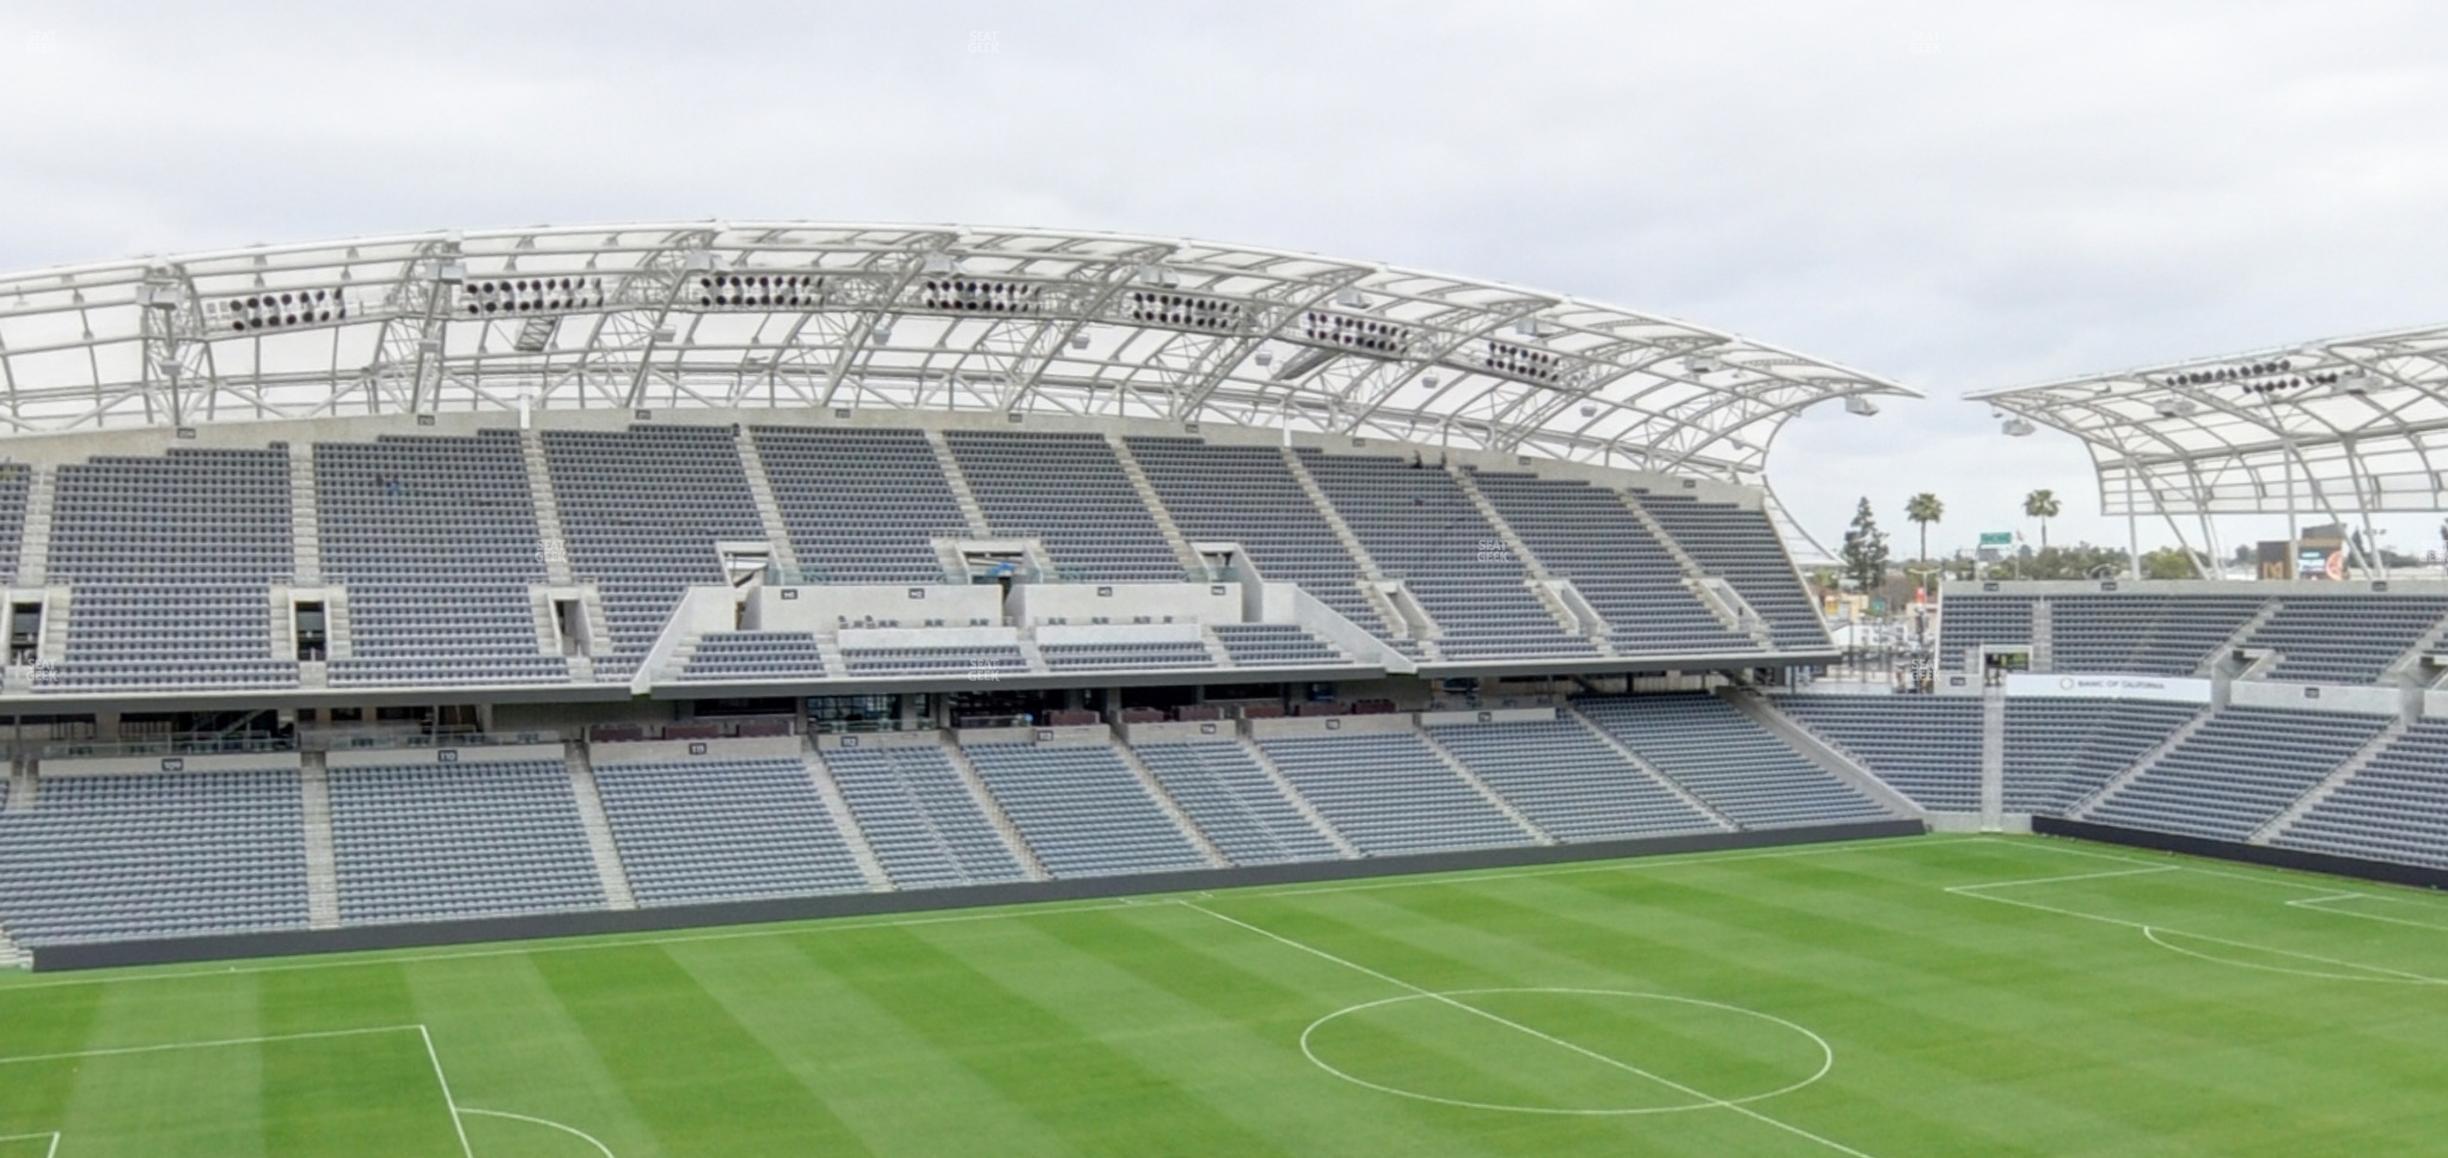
x=221 y=1043
x=2133 y=872
x=50 y=1151
x=167 y=1047
x=572 y=1131
x=458 y=1123
x=794 y=929
x=1551 y=1039
x=2321 y=905
x=2151 y=931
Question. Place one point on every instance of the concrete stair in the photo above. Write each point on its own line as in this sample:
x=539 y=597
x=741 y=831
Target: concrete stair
x=305 y=518
x=1283 y=784
x=958 y=479
x=1802 y=740
x=1183 y=552
x=34 y=554
x=1483 y=788
x=24 y=786
x=1216 y=653
x=2409 y=665
x=993 y=809
x=339 y=635
x=2134 y=771
x=1634 y=759
x=2260 y=619
x=844 y=821
x=2044 y=637
x=1993 y=758
x=58 y=601
x=769 y=510
x=1172 y=808
x=322 y=873
x=609 y=871
x=2346 y=770
x=549 y=541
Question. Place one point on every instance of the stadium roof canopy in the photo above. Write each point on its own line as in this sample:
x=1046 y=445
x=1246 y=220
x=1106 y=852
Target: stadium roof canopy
x=789 y=314
x=2346 y=425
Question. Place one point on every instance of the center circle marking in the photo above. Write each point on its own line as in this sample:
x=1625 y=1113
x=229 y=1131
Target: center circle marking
x=1707 y=1101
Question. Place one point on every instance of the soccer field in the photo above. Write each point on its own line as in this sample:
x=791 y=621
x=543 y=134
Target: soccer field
x=1939 y=995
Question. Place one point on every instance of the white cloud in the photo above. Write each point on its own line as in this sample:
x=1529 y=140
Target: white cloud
x=1958 y=196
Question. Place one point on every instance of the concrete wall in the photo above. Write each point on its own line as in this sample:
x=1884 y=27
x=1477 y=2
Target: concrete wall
x=680 y=751
x=2261 y=854
x=1069 y=735
x=1176 y=731
x=823 y=608
x=830 y=741
x=2288 y=588
x=1488 y=716
x=2113 y=687
x=471 y=754
x=1077 y=633
x=140 y=765
x=1124 y=602
x=2373 y=701
x=1330 y=725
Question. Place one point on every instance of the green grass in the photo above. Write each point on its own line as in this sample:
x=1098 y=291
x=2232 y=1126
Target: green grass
x=2026 y=1018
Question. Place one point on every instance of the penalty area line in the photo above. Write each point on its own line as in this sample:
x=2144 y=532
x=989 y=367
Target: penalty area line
x=1551 y=1039
x=2152 y=933
x=51 y=1138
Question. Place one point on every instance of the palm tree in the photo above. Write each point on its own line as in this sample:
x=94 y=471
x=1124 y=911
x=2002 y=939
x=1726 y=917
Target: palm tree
x=2042 y=505
x=1924 y=509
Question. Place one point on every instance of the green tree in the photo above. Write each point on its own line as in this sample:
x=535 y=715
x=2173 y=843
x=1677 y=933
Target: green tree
x=2042 y=504
x=2170 y=563
x=1924 y=509
x=1865 y=550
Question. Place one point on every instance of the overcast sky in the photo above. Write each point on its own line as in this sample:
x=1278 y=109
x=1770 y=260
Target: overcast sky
x=1954 y=195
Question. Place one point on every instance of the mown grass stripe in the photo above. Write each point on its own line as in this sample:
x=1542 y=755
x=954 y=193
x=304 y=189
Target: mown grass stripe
x=687 y=1067
x=1056 y=1066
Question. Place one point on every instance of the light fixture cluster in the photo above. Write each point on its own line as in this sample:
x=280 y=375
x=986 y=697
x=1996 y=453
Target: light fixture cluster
x=2267 y=377
x=279 y=311
x=529 y=295
x=758 y=291
x=978 y=295
x=1183 y=311
x=1370 y=335
x=1522 y=362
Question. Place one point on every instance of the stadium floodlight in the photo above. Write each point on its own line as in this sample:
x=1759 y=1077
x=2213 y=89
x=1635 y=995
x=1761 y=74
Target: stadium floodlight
x=2018 y=428
x=1858 y=405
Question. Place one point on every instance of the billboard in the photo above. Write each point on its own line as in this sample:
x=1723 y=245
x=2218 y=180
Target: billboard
x=2115 y=687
